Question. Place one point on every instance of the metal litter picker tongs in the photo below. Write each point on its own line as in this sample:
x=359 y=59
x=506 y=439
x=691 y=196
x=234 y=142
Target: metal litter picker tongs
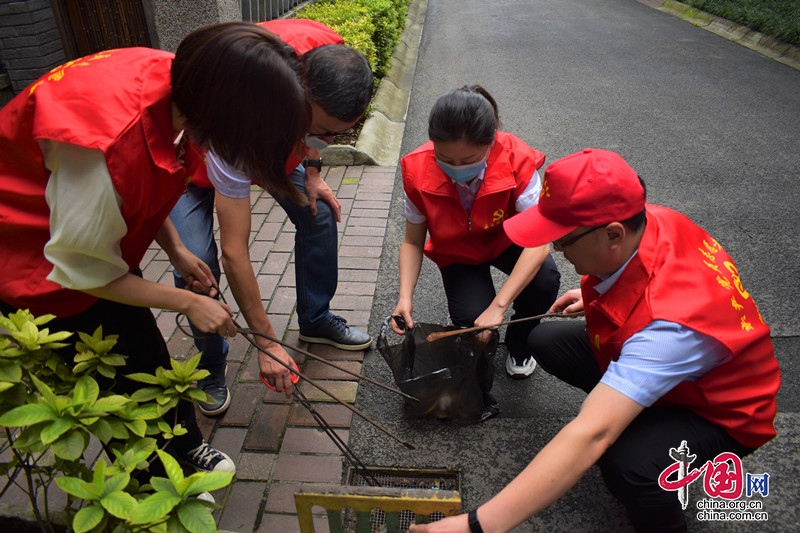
x=442 y=334
x=303 y=400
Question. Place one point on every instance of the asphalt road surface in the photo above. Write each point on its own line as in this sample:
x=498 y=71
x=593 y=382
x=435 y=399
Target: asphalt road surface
x=714 y=130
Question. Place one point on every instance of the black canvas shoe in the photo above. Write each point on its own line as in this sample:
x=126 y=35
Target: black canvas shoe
x=204 y=458
x=214 y=385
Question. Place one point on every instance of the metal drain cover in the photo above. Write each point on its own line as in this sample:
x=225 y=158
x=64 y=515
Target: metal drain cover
x=399 y=478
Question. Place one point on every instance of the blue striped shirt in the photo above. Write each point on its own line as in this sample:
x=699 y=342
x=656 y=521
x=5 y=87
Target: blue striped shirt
x=658 y=357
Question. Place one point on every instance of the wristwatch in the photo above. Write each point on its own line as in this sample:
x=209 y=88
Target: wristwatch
x=313 y=163
x=474 y=524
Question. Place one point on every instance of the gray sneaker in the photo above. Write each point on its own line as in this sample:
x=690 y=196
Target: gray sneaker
x=334 y=330
x=214 y=385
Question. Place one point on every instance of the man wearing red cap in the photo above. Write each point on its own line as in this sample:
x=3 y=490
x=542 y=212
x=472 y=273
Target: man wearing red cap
x=673 y=349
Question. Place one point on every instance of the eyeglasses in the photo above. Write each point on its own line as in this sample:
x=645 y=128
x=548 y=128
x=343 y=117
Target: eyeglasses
x=560 y=246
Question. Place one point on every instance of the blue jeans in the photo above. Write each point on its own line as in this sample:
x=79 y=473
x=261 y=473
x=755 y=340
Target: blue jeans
x=193 y=217
x=316 y=256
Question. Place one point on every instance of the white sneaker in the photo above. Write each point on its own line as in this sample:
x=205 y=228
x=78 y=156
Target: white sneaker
x=520 y=370
x=206 y=497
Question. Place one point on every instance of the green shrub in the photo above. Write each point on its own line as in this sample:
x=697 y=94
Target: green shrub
x=49 y=409
x=350 y=20
x=372 y=27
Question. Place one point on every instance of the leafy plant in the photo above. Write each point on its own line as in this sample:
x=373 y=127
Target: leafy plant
x=51 y=409
x=372 y=27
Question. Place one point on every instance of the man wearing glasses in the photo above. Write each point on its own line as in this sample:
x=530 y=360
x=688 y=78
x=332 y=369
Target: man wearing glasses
x=673 y=349
x=339 y=83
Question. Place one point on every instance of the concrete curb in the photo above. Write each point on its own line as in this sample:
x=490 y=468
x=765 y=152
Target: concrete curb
x=763 y=44
x=382 y=133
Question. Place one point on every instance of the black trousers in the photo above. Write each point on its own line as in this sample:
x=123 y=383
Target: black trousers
x=470 y=290
x=631 y=466
x=141 y=341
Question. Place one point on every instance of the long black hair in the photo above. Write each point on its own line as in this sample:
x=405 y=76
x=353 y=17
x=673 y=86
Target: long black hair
x=240 y=89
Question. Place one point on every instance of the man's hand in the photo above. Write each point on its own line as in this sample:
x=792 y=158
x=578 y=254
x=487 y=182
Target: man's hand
x=570 y=302
x=317 y=189
x=451 y=524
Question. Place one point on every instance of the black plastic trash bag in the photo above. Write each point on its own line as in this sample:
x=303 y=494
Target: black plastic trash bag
x=451 y=376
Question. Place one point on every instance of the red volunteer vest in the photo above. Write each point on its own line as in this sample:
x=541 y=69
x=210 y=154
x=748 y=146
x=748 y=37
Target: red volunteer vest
x=118 y=102
x=302 y=35
x=682 y=275
x=477 y=237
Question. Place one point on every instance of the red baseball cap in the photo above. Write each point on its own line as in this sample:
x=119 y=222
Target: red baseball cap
x=588 y=188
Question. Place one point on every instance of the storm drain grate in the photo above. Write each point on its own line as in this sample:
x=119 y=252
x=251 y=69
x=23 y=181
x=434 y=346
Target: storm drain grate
x=408 y=479
x=396 y=478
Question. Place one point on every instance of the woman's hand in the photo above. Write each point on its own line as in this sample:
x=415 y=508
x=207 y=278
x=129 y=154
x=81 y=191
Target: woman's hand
x=210 y=315
x=194 y=271
x=409 y=264
x=490 y=317
x=403 y=309
x=196 y=274
x=277 y=375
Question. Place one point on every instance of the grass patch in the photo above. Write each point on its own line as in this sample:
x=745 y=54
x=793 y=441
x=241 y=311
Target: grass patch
x=777 y=18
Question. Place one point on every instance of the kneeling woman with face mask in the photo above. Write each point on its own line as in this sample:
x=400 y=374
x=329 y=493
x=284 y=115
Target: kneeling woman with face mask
x=459 y=188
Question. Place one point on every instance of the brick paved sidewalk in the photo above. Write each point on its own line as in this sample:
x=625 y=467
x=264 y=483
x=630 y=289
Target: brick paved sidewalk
x=275 y=442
